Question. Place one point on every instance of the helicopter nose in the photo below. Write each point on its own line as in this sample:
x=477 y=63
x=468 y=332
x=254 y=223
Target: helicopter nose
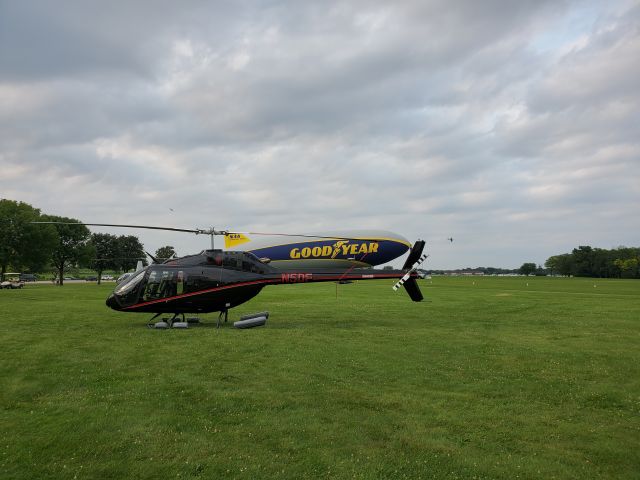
x=112 y=302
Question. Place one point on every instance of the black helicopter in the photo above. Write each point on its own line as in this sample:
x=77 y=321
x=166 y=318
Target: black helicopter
x=216 y=280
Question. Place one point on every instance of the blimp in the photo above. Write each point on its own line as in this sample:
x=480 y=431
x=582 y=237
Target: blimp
x=320 y=250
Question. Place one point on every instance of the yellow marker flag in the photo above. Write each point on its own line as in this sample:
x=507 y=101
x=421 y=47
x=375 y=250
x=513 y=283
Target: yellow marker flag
x=234 y=239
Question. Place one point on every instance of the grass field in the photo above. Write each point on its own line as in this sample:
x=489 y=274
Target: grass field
x=489 y=378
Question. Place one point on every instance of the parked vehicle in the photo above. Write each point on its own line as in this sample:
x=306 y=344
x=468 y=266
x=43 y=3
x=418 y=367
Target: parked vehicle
x=28 y=277
x=12 y=282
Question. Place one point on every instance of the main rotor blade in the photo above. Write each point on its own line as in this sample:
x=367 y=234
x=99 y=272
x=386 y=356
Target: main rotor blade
x=125 y=226
x=305 y=235
x=212 y=231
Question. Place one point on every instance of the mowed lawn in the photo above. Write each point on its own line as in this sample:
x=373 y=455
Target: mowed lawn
x=488 y=378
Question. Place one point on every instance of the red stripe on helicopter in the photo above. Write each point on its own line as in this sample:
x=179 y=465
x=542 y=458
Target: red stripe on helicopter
x=200 y=292
x=274 y=281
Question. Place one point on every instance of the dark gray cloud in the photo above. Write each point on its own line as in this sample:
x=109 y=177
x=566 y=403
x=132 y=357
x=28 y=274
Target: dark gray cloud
x=512 y=126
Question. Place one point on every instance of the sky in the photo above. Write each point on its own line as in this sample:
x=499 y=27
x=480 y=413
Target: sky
x=513 y=127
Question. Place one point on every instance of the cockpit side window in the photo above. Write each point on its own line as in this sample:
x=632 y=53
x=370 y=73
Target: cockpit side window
x=251 y=263
x=215 y=259
x=242 y=261
x=232 y=260
x=162 y=284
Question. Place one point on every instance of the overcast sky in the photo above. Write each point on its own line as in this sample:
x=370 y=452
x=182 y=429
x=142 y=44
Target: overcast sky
x=511 y=126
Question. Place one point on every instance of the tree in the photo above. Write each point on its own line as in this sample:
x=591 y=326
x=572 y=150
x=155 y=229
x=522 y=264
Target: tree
x=583 y=261
x=23 y=245
x=164 y=253
x=628 y=267
x=130 y=250
x=105 y=253
x=559 y=264
x=73 y=245
x=540 y=271
x=625 y=262
x=528 y=268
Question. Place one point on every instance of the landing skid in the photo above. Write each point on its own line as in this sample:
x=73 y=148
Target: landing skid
x=169 y=322
x=178 y=320
x=224 y=312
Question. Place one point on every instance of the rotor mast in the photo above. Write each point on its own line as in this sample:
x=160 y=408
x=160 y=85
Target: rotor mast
x=212 y=232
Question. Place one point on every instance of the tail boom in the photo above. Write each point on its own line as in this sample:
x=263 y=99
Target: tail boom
x=408 y=279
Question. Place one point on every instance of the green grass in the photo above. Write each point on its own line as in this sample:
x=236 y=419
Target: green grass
x=489 y=378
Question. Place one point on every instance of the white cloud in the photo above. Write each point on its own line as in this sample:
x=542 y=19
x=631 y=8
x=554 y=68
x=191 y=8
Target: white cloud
x=511 y=126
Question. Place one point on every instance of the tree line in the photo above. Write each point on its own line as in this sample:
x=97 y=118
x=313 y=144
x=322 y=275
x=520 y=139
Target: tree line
x=474 y=270
x=586 y=261
x=29 y=247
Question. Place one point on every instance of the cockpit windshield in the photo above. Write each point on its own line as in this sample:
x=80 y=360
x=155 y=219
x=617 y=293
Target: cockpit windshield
x=127 y=286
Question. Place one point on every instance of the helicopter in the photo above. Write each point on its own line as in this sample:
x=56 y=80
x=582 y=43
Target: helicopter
x=216 y=281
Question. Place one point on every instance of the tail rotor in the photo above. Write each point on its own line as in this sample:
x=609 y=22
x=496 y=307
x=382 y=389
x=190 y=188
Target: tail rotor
x=408 y=281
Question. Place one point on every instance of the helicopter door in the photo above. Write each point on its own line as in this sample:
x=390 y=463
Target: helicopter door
x=180 y=283
x=161 y=284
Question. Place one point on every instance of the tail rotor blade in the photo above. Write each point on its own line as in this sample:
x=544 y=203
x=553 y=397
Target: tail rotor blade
x=415 y=255
x=408 y=281
x=413 y=290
